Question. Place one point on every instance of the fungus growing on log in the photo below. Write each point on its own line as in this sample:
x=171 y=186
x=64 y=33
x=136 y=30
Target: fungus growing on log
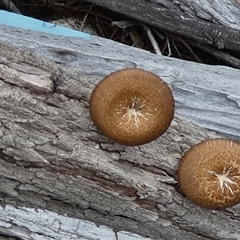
x=209 y=173
x=132 y=106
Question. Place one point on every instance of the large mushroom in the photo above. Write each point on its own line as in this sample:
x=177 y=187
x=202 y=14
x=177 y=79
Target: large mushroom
x=209 y=173
x=132 y=106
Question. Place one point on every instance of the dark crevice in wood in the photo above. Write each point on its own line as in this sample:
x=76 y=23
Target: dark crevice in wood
x=146 y=203
x=148 y=168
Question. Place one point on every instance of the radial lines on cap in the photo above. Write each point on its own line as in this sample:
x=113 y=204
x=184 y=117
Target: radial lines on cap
x=224 y=180
x=133 y=112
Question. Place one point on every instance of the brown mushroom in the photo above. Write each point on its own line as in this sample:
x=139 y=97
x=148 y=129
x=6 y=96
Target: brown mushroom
x=132 y=106
x=209 y=173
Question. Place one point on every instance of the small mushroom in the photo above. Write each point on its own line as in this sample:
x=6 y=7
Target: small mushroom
x=132 y=106
x=209 y=173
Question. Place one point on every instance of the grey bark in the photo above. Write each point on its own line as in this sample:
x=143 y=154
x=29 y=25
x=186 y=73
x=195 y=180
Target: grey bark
x=52 y=156
x=206 y=95
x=41 y=224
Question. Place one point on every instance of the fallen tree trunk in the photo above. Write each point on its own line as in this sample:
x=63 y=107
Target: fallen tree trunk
x=52 y=156
x=210 y=25
x=205 y=95
x=184 y=18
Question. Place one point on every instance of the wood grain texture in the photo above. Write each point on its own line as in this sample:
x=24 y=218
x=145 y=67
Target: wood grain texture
x=172 y=17
x=205 y=95
x=37 y=224
x=53 y=157
x=222 y=12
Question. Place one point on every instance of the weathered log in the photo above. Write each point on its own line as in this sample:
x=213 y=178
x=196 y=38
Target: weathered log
x=180 y=17
x=203 y=23
x=206 y=95
x=52 y=156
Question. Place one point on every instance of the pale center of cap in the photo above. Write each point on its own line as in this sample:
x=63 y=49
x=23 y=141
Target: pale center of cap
x=134 y=112
x=224 y=180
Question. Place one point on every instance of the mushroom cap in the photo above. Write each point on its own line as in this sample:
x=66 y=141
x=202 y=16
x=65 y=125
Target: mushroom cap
x=209 y=173
x=132 y=106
